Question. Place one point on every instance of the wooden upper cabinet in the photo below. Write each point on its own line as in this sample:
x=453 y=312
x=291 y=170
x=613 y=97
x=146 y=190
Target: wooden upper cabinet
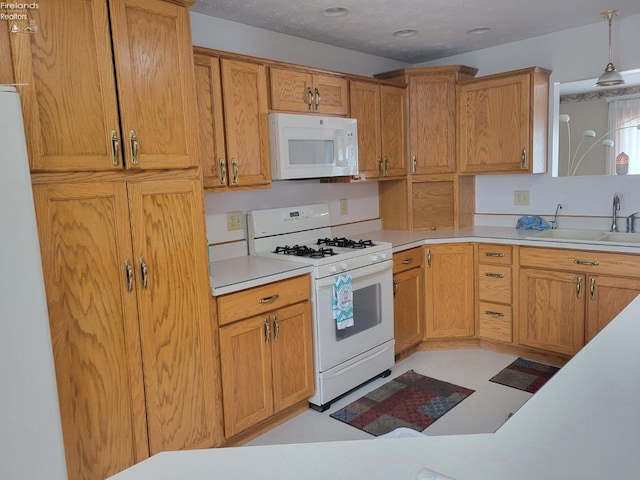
x=380 y=112
x=502 y=122
x=294 y=90
x=107 y=82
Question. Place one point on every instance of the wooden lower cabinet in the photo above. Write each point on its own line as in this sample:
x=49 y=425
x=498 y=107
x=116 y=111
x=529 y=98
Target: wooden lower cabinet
x=267 y=362
x=408 y=298
x=449 y=290
x=495 y=292
x=127 y=291
x=607 y=298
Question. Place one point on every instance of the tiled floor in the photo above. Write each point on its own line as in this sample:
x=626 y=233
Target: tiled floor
x=483 y=412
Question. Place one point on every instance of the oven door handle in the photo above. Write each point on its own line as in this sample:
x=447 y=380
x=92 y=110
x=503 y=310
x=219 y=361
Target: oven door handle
x=357 y=273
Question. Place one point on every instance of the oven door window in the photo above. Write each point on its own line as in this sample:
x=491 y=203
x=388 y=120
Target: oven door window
x=366 y=311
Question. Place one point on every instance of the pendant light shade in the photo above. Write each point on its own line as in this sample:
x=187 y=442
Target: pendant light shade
x=611 y=76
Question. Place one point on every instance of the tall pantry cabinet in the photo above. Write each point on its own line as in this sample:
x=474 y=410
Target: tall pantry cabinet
x=109 y=115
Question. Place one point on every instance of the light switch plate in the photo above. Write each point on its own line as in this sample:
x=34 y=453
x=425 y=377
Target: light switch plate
x=521 y=197
x=344 y=206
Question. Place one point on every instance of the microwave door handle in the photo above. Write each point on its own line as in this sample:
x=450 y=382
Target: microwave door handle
x=357 y=273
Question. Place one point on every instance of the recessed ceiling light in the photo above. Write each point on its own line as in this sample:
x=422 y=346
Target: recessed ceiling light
x=407 y=32
x=478 y=30
x=335 y=11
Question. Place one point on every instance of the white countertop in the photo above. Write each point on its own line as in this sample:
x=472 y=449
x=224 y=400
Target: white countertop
x=238 y=273
x=583 y=424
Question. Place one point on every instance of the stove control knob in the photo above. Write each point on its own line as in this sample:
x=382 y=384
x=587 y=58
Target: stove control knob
x=343 y=266
x=383 y=256
x=374 y=258
x=333 y=269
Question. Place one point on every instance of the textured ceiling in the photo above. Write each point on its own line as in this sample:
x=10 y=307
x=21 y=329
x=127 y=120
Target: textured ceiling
x=441 y=24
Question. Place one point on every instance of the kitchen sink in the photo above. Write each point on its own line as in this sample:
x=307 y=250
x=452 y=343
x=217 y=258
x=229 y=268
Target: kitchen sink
x=600 y=237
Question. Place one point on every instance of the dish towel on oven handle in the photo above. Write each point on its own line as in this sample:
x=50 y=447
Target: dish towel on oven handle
x=343 y=301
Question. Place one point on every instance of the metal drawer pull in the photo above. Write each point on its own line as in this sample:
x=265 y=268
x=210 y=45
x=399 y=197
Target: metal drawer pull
x=128 y=273
x=276 y=327
x=592 y=289
x=494 y=314
x=493 y=254
x=591 y=263
x=494 y=275
x=267 y=330
x=270 y=299
x=406 y=261
x=579 y=287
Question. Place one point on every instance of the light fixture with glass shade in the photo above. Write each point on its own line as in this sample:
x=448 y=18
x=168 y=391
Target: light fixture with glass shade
x=611 y=76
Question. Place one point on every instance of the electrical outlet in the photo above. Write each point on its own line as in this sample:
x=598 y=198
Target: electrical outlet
x=521 y=197
x=234 y=221
x=344 y=206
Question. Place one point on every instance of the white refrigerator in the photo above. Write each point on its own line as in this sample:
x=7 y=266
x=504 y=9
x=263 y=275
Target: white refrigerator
x=31 y=446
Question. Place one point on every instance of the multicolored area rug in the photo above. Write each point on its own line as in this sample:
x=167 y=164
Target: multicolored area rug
x=525 y=375
x=410 y=400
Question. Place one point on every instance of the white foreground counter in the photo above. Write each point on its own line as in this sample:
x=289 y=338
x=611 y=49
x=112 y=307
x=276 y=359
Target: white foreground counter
x=583 y=424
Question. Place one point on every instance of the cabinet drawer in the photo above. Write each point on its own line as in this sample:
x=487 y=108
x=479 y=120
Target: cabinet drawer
x=494 y=283
x=495 y=322
x=407 y=259
x=496 y=254
x=584 y=261
x=258 y=300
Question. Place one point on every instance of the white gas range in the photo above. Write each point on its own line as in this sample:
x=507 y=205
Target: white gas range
x=345 y=357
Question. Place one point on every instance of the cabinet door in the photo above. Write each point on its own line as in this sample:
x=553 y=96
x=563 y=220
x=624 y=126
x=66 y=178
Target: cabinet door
x=292 y=355
x=69 y=106
x=169 y=240
x=408 y=300
x=247 y=385
x=331 y=94
x=393 y=118
x=432 y=112
x=493 y=124
x=607 y=297
x=154 y=70
x=86 y=245
x=211 y=149
x=365 y=108
x=244 y=86
x=552 y=310
x=449 y=291
x=433 y=204
x=291 y=90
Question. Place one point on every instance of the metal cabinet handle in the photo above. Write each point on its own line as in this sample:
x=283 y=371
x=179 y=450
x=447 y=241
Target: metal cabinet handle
x=579 y=287
x=523 y=158
x=395 y=288
x=379 y=166
x=493 y=254
x=590 y=263
x=276 y=327
x=309 y=97
x=267 y=330
x=135 y=146
x=407 y=261
x=234 y=170
x=317 y=99
x=115 y=147
x=414 y=164
x=128 y=274
x=223 y=171
x=386 y=166
x=592 y=289
x=428 y=258
x=144 y=272
x=494 y=314
x=270 y=299
x=494 y=275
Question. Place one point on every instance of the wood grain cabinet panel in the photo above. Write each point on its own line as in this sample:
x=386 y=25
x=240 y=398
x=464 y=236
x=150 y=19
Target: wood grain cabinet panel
x=408 y=298
x=305 y=91
x=114 y=91
x=128 y=294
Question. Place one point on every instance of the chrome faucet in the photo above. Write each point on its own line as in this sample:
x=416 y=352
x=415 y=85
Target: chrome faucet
x=616 y=206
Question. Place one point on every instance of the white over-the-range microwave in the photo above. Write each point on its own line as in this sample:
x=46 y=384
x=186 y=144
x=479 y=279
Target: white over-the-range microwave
x=309 y=146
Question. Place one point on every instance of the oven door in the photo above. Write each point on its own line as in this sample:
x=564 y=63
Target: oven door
x=372 y=315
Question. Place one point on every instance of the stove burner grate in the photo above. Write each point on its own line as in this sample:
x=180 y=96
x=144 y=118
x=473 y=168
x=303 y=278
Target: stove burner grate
x=344 y=242
x=304 y=251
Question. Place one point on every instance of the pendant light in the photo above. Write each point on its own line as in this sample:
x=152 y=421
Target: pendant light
x=610 y=77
